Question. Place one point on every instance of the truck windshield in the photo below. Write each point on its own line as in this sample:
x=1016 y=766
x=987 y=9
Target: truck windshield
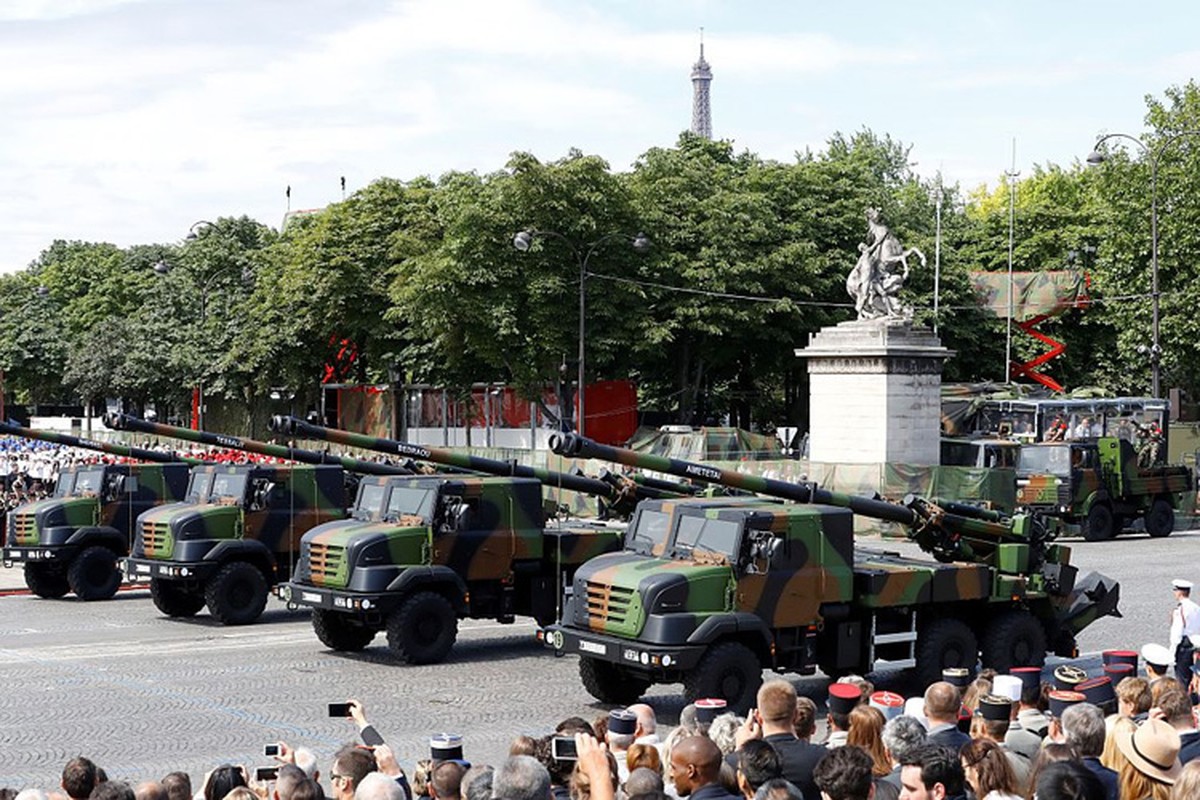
x=88 y=481
x=1051 y=460
x=370 y=501
x=406 y=500
x=66 y=484
x=198 y=487
x=699 y=534
x=650 y=531
x=226 y=486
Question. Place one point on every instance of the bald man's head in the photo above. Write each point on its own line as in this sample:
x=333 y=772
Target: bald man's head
x=695 y=762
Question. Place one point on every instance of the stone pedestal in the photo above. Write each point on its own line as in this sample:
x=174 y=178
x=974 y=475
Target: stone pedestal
x=875 y=391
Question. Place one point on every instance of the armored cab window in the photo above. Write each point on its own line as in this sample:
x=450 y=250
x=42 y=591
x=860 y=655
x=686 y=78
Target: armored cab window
x=228 y=486
x=198 y=487
x=649 y=531
x=89 y=481
x=695 y=534
x=370 y=501
x=66 y=484
x=406 y=501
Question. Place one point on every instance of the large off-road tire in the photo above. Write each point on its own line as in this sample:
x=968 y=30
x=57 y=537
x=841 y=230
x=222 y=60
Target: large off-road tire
x=729 y=670
x=94 y=574
x=944 y=643
x=1160 y=518
x=423 y=629
x=610 y=683
x=1101 y=524
x=237 y=594
x=47 y=579
x=340 y=631
x=1014 y=639
x=172 y=599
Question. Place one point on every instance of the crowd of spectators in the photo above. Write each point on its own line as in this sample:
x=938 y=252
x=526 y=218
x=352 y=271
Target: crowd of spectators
x=1117 y=736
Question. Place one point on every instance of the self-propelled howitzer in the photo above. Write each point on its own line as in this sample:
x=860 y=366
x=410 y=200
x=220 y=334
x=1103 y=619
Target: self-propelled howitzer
x=710 y=595
x=73 y=541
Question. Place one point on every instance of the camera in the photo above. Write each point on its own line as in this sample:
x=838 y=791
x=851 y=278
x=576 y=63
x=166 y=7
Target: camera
x=266 y=773
x=339 y=709
x=562 y=748
x=271 y=750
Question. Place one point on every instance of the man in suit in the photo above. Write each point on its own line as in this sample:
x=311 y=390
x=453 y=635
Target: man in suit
x=942 y=703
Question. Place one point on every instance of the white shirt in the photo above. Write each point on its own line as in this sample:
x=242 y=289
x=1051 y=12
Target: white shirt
x=1185 y=621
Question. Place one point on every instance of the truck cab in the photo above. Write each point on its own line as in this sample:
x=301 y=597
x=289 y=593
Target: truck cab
x=236 y=533
x=72 y=541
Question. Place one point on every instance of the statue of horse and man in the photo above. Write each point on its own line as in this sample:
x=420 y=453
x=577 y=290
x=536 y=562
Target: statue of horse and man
x=881 y=271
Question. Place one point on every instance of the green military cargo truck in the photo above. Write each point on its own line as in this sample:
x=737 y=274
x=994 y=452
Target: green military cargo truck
x=73 y=541
x=1101 y=485
x=710 y=595
x=235 y=535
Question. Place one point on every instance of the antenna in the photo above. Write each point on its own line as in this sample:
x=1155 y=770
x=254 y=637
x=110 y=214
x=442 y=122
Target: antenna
x=1011 y=175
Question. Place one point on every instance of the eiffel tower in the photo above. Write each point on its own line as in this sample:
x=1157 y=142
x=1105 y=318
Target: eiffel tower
x=701 y=107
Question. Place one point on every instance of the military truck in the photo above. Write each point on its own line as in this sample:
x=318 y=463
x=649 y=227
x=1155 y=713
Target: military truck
x=1100 y=485
x=710 y=595
x=73 y=540
x=420 y=553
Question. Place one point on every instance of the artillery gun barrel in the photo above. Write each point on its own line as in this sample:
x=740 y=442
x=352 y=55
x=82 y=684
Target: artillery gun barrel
x=124 y=422
x=641 y=479
x=141 y=454
x=293 y=426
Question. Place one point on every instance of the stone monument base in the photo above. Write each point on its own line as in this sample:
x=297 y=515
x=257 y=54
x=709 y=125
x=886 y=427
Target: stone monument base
x=875 y=393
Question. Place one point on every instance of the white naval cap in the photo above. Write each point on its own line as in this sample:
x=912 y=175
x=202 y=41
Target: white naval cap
x=1180 y=583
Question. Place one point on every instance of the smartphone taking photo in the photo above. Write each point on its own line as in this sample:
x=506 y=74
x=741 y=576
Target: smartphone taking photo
x=339 y=709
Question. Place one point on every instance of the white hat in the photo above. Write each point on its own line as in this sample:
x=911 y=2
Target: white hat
x=1156 y=655
x=1007 y=686
x=1180 y=583
x=915 y=707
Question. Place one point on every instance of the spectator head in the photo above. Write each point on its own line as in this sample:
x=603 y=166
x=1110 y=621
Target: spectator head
x=113 y=790
x=580 y=785
x=27 y=794
x=286 y=781
x=778 y=789
x=942 y=704
x=902 y=736
x=757 y=763
x=1133 y=696
x=308 y=789
x=178 y=786
x=79 y=778
x=844 y=774
x=241 y=793
x=477 y=783
x=523 y=745
x=446 y=780
x=695 y=762
x=932 y=772
x=150 y=790
x=306 y=760
x=521 y=778
x=621 y=727
x=420 y=777
x=723 y=730
x=1083 y=723
x=986 y=768
x=1152 y=757
x=647 y=722
x=866 y=731
x=777 y=704
x=573 y=725
x=643 y=756
x=806 y=718
x=1068 y=780
x=223 y=780
x=350 y=765
x=377 y=786
x=1187 y=785
x=643 y=780
x=1177 y=710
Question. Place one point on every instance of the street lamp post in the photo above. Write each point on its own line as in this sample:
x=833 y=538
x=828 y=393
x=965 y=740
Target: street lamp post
x=583 y=253
x=1096 y=158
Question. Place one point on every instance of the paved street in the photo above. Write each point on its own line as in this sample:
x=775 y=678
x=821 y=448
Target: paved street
x=144 y=695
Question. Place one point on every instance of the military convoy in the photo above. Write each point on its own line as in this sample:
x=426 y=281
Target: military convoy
x=709 y=593
x=73 y=540
x=417 y=554
x=1101 y=485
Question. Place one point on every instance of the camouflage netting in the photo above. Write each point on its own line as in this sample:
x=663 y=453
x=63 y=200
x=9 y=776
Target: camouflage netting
x=1033 y=293
x=707 y=444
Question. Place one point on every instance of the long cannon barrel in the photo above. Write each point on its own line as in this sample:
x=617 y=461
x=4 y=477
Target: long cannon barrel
x=292 y=426
x=111 y=448
x=124 y=422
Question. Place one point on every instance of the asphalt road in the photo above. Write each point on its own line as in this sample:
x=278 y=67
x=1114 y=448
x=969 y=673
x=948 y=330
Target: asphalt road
x=143 y=695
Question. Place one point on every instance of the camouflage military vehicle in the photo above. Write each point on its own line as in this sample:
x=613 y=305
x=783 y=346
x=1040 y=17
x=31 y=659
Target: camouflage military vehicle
x=1101 y=485
x=709 y=594
x=72 y=541
x=420 y=553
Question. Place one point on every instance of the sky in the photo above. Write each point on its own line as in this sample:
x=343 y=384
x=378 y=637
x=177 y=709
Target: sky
x=128 y=121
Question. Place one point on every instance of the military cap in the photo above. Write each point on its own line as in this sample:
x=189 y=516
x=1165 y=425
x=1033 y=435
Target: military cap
x=1156 y=656
x=995 y=707
x=915 y=707
x=843 y=697
x=1181 y=584
x=1068 y=676
x=1030 y=676
x=1007 y=686
x=624 y=722
x=1118 y=672
x=964 y=719
x=447 y=747
x=1060 y=700
x=707 y=710
x=1129 y=657
x=959 y=676
x=1098 y=691
x=889 y=704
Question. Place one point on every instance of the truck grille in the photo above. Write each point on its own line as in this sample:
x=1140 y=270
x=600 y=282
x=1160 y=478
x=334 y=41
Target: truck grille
x=325 y=564
x=24 y=529
x=156 y=540
x=608 y=605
